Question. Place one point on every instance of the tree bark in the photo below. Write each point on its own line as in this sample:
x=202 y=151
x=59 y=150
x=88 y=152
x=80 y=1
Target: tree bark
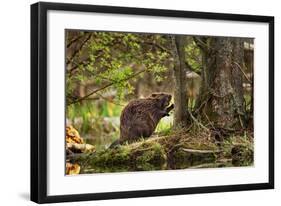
x=222 y=102
x=237 y=80
x=179 y=73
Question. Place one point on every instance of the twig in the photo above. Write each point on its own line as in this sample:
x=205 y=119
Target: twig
x=84 y=63
x=74 y=40
x=197 y=122
x=245 y=75
x=159 y=46
x=201 y=106
x=200 y=151
x=105 y=86
x=208 y=119
x=202 y=45
x=77 y=50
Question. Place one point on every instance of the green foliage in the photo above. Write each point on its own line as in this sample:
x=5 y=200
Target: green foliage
x=193 y=56
x=191 y=104
x=248 y=102
x=89 y=118
x=102 y=58
x=164 y=127
x=157 y=70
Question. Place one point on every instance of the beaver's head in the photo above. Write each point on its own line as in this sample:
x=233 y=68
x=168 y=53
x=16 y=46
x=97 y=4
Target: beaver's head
x=163 y=99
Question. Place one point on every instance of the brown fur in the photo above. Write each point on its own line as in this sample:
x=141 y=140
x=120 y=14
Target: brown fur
x=140 y=117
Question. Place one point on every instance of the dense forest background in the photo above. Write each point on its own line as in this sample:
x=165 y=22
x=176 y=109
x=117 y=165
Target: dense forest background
x=210 y=78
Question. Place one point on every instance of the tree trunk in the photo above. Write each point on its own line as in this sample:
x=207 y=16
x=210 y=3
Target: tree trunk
x=221 y=101
x=179 y=73
x=237 y=80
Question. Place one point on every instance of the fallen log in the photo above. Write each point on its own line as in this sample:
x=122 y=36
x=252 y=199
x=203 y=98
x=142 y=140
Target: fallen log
x=175 y=151
x=157 y=152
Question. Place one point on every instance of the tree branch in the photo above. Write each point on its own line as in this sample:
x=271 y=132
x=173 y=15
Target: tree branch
x=200 y=43
x=74 y=40
x=106 y=86
x=83 y=63
x=77 y=50
x=245 y=75
x=158 y=46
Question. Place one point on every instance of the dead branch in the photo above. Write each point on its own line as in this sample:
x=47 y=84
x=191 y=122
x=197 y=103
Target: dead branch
x=245 y=75
x=200 y=151
x=196 y=121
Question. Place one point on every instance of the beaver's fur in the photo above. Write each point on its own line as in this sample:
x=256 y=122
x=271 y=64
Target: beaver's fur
x=141 y=116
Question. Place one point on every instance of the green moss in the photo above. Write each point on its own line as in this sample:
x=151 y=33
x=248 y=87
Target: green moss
x=117 y=156
x=154 y=153
x=242 y=155
x=176 y=151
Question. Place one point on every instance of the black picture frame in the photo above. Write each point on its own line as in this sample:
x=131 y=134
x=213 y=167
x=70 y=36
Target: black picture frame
x=39 y=101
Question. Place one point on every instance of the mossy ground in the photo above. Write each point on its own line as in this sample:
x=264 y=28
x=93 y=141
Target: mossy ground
x=178 y=150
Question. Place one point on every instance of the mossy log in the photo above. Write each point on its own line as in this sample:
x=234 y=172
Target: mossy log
x=175 y=151
x=164 y=152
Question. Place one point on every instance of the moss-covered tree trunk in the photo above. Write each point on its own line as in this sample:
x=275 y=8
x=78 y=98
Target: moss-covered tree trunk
x=179 y=73
x=221 y=98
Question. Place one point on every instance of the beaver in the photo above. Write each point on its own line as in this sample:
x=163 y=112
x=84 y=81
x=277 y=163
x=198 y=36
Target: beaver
x=141 y=116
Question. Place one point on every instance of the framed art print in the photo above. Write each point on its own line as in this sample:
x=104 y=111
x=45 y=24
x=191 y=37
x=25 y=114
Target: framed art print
x=134 y=102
